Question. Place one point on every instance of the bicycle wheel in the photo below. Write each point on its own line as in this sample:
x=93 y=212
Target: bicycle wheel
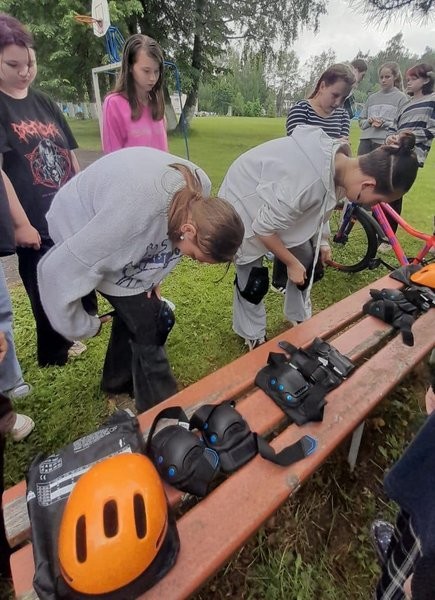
x=353 y=249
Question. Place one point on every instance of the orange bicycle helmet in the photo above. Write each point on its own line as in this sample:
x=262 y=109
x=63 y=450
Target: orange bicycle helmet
x=115 y=528
x=425 y=276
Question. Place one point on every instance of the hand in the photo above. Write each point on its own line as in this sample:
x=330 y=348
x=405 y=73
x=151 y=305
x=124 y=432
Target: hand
x=392 y=140
x=296 y=273
x=325 y=255
x=430 y=400
x=156 y=290
x=27 y=236
x=3 y=346
x=377 y=123
x=407 y=588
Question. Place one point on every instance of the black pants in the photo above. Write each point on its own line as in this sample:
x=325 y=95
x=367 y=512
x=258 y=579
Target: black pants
x=52 y=348
x=279 y=271
x=135 y=361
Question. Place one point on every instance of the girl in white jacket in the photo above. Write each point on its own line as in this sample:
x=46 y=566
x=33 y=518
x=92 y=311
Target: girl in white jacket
x=284 y=191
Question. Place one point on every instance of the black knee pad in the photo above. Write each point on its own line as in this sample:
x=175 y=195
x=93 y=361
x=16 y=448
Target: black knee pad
x=165 y=322
x=257 y=285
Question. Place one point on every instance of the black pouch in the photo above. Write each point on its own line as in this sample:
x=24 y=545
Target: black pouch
x=256 y=286
x=50 y=480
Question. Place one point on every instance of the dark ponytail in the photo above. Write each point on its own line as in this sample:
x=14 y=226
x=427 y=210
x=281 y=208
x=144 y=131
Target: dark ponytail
x=393 y=166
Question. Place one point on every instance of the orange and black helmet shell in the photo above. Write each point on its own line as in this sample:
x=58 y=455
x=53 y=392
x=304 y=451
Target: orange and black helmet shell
x=113 y=526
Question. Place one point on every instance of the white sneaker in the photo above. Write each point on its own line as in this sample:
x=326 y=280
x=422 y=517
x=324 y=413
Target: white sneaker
x=19 y=391
x=294 y=323
x=23 y=426
x=76 y=349
x=384 y=247
x=278 y=289
x=252 y=344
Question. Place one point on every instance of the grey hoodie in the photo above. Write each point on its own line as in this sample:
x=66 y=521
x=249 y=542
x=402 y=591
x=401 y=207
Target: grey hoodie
x=284 y=186
x=109 y=225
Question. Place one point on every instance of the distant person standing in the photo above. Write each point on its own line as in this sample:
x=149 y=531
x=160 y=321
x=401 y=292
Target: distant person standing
x=133 y=114
x=323 y=108
x=36 y=151
x=418 y=114
x=381 y=108
x=359 y=69
x=378 y=115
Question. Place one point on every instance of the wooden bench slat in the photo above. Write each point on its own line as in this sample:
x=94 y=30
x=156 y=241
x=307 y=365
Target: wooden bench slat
x=222 y=522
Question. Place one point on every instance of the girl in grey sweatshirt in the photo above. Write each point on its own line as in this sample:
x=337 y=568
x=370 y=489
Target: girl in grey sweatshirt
x=120 y=227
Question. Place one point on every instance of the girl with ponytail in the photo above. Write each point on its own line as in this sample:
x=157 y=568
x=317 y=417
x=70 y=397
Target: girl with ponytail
x=120 y=227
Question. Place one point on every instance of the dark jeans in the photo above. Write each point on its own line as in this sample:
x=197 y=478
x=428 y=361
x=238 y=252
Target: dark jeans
x=135 y=362
x=52 y=348
x=5 y=551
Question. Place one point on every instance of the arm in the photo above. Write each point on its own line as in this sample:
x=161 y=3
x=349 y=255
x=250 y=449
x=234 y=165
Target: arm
x=25 y=234
x=427 y=133
x=363 y=120
x=113 y=137
x=297 y=115
x=63 y=281
x=75 y=162
x=345 y=125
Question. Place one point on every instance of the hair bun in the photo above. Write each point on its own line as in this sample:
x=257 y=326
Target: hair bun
x=406 y=142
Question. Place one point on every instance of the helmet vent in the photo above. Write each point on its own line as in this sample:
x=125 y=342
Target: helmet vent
x=110 y=518
x=140 y=516
x=81 y=539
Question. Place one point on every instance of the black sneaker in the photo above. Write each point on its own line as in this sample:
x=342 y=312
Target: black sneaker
x=382 y=533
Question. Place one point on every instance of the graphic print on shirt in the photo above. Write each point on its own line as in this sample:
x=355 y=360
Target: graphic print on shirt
x=157 y=256
x=50 y=163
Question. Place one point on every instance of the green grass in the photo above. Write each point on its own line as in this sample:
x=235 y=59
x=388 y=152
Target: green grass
x=299 y=556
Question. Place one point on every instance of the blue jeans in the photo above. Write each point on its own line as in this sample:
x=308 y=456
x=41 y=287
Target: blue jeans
x=10 y=370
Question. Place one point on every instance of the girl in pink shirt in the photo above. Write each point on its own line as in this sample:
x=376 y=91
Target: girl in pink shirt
x=134 y=113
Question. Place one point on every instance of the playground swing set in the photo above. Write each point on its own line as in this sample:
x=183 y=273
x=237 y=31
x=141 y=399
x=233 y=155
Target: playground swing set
x=102 y=27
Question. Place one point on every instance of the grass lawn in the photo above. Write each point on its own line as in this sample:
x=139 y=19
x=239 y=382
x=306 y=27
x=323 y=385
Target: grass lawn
x=317 y=546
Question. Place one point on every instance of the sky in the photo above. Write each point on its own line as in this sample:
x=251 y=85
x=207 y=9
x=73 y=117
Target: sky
x=346 y=31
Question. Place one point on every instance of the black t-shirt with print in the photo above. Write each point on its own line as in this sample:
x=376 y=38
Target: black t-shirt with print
x=35 y=141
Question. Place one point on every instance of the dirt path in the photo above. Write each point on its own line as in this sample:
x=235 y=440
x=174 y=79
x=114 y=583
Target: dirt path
x=85 y=157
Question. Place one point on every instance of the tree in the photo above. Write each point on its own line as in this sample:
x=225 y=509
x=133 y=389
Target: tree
x=66 y=50
x=197 y=32
x=312 y=70
x=383 y=9
x=284 y=78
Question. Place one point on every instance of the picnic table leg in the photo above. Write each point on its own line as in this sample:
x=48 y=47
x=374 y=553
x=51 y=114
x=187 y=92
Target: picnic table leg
x=354 y=446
